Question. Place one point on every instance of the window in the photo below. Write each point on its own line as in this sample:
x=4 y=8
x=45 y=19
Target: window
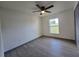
x=54 y=26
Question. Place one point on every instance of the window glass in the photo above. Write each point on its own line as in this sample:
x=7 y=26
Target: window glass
x=54 y=26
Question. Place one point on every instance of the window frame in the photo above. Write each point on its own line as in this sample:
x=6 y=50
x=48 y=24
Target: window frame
x=52 y=26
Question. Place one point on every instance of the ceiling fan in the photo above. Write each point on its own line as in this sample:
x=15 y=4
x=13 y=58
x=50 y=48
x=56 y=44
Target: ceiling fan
x=43 y=9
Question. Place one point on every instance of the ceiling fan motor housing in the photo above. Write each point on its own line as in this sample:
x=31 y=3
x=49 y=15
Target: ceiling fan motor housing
x=42 y=8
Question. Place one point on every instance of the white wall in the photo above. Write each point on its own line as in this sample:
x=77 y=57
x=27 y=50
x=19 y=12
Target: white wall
x=18 y=28
x=66 y=23
x=1 y=42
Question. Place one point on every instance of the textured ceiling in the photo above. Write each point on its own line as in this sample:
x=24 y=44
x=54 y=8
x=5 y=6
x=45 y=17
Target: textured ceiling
x=29 y=6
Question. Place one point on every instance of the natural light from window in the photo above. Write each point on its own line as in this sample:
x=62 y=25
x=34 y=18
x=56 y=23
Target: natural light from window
x=54 y=26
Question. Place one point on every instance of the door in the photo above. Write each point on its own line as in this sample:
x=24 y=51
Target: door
x=76 y=14
x=1 y=42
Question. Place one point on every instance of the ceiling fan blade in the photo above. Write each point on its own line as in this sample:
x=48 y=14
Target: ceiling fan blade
x=36 y=11
x=48 y=11
x=50 y=7
x=38 y=6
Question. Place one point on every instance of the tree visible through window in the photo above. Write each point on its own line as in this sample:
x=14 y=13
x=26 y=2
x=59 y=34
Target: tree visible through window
x=54 y=26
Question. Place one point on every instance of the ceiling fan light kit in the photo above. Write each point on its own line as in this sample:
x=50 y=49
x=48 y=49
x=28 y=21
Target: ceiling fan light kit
x=42 y=12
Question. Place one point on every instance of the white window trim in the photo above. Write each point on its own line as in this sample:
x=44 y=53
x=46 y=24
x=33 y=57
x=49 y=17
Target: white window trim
x=51 y=26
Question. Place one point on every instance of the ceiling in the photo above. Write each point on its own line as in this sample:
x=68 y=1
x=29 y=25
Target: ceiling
x=29 y=6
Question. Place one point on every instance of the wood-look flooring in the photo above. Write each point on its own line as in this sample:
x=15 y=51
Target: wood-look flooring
x=45 y=47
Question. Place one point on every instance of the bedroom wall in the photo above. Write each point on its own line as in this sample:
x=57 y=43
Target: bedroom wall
x=66 y=24
x=18 y=28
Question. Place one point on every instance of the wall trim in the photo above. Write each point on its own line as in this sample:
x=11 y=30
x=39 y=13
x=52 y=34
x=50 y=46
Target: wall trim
x=59 y=38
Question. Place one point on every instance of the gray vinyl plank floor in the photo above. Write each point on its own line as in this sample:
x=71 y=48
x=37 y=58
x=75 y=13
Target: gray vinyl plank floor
x=45 y=47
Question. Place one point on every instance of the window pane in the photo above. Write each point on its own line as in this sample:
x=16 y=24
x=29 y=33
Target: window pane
x=53 y=22
x=54 y=30
x=54 y=26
